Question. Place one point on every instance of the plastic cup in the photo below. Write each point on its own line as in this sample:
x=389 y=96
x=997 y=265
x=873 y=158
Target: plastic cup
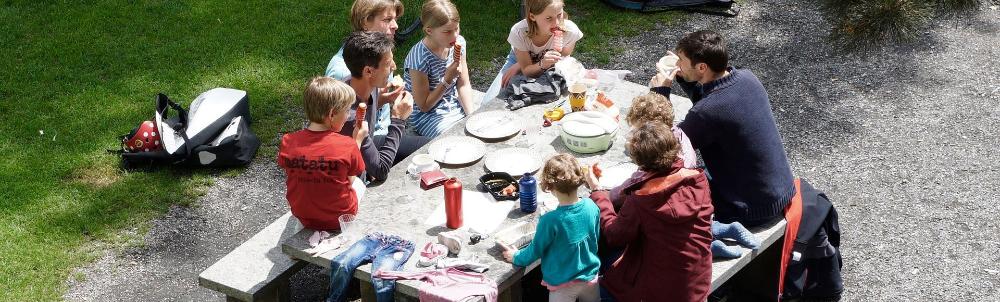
x=577 y=97
x=409 y=188
x=532 y=131
x=348 y=224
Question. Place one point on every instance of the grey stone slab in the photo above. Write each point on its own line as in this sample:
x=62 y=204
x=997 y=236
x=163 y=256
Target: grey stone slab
x=252 y=269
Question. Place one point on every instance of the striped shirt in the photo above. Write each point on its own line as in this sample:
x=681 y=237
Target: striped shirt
x=447 y=111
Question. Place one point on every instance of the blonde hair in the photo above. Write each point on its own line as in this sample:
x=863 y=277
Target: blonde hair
x=649 y=108
x=364 y=10
x=535 y=7
x=437 y=13
x=323 y=94
x=562 y=173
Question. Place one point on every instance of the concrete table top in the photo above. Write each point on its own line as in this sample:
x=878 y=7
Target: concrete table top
x=379 y=211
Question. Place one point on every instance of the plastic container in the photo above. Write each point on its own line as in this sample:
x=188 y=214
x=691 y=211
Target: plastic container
x=588 y=131
x=494 y=183
x=528 y=190
x=517 y=236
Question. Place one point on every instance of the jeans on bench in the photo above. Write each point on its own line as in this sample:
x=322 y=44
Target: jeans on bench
x=385 y=252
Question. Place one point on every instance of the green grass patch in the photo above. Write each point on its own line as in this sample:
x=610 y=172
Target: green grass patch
x=77 y=75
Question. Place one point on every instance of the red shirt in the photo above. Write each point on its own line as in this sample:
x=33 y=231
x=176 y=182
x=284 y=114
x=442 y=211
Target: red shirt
x=318 y=166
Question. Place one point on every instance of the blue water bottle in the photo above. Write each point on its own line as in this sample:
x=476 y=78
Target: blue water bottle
x=528 y=186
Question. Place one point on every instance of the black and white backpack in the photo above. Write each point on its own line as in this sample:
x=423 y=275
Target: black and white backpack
x=214 y=133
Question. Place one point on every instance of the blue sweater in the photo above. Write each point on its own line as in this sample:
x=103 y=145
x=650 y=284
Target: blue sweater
x=566 y=241
x=731 y=123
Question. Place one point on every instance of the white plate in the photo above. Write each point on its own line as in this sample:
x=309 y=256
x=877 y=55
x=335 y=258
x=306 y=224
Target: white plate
x=616 y=175
x=457 y=150
x=493 y=124
x=513 y=161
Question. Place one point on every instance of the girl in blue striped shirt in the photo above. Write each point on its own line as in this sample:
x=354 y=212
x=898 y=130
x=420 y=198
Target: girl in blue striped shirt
x=436 y=73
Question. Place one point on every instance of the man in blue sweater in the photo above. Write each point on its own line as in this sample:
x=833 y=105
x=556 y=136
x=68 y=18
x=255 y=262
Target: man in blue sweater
x=732 y=125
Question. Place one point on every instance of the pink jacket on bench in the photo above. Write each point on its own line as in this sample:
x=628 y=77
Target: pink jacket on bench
x=447 y=284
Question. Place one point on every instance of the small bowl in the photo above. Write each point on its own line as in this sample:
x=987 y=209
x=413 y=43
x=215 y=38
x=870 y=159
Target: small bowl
x=422 y=163
x=494 y=182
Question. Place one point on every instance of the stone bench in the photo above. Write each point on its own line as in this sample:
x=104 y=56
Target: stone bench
x=756 y=271
x=758 y=268
x=256 y=270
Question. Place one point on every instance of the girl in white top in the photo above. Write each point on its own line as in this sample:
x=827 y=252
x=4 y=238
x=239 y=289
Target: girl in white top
x=436 y=73
x=536 y=39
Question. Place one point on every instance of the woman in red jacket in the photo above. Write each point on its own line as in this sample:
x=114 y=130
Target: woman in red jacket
x=664 y=224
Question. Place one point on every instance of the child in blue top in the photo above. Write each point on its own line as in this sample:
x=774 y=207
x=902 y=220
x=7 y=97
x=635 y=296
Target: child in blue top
x=436 y=73
x=566 y=238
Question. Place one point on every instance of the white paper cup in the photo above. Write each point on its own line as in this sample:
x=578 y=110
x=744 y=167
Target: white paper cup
x=667 y=64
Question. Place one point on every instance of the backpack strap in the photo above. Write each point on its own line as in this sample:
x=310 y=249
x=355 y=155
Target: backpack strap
x=163 y=105
x=715 y=10
x=793 y=217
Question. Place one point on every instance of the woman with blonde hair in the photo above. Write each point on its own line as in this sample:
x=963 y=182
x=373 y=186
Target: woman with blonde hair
x=378 y=16
x=367 y=15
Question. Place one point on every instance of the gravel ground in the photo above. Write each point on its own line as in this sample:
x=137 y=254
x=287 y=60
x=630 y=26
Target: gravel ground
x=902 y=139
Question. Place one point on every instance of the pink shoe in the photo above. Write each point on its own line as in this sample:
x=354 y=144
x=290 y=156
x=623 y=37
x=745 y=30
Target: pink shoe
x=431 y=253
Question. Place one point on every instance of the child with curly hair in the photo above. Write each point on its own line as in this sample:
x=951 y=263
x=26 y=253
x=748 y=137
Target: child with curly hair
x=566 y=238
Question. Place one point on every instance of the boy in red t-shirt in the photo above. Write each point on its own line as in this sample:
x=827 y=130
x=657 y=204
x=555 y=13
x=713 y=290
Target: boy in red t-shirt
x=320 y=164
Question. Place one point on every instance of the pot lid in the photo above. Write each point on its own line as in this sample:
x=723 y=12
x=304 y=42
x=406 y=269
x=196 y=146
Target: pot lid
x=588 y=124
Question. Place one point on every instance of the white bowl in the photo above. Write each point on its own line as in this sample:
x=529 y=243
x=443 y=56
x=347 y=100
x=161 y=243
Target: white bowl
x=422 y=163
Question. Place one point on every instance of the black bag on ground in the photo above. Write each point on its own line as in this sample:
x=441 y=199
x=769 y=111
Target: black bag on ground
x=813 y=274
x=711 y=7
x=214 y=133
x=235 y=146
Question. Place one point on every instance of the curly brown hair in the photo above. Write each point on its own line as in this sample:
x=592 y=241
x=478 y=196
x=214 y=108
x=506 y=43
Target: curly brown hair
x=562 y=173
x=650 y=107
x=653 y=146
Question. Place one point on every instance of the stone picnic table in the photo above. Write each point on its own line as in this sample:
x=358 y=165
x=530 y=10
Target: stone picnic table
x=379 y=210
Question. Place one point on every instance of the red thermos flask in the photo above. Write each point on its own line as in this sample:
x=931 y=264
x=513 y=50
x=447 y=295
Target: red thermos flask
x=453 y=202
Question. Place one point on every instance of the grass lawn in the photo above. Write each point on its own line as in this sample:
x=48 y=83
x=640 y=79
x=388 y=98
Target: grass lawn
x=74 y=76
